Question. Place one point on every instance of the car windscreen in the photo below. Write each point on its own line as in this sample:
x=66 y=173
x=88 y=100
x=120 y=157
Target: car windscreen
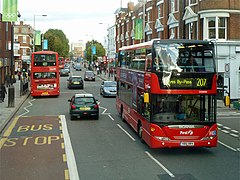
x=89 y=73
x=84 y=100
x=76 y=79
x=110 y=84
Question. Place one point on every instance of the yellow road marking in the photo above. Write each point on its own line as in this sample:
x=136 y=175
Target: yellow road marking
x=64 y=158
x=62 y=145
x=10 y=128
x=2 y=141
x=66 y=174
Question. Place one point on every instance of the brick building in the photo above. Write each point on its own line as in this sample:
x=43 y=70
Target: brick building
x=23 y=42
x=216 y=20
x=5 y=50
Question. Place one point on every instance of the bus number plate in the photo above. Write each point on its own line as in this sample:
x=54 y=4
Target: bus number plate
x=45 y=93
x=187 y=144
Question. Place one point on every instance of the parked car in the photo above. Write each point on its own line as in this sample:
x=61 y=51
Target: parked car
x=64 y=72
x=83 y=105
x=108 y=88
x=89 y=76
x=75 y=82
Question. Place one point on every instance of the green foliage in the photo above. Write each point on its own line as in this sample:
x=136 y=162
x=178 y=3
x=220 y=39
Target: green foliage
x=57 y=41
x=100 y=51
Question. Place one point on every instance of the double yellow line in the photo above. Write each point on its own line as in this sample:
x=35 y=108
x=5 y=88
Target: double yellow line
x=8 y=132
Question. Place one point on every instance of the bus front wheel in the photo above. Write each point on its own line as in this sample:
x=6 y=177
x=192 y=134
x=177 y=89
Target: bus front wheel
x=121 y=114
x=140 y=129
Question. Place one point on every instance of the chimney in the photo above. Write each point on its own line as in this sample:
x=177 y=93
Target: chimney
x=130 y=6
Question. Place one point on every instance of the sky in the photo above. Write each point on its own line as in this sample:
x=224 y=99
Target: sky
x=78 y=19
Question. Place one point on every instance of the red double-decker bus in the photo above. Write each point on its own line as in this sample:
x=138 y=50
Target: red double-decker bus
x=61 y=62
x=45 y=74
x=166 y=91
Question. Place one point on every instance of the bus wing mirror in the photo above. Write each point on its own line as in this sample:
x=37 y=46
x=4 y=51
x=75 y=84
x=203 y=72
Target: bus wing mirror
x=146 y=97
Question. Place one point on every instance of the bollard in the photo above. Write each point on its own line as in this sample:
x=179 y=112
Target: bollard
x=11 y=96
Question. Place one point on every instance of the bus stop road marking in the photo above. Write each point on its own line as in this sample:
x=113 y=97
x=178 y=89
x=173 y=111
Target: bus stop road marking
x=37 y=142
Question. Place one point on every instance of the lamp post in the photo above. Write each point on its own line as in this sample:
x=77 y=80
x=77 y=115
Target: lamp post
x=34 y=21
x=108 y=39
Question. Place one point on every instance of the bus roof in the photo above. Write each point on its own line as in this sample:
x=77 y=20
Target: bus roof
x=164 y=41
x=45 y=52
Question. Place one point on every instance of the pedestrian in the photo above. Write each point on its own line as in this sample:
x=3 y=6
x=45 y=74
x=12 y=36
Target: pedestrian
x=19 y=75
x=3 y=92
x=8 y=80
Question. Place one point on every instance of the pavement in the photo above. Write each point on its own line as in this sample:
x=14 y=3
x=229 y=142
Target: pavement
x=7 y=113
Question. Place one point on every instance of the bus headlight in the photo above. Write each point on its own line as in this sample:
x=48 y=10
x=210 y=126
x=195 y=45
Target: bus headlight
x=212 y=134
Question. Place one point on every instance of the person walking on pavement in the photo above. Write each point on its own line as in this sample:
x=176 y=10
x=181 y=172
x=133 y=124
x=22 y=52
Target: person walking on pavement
x=3 y=92
x=8 y=80
x=19 y=75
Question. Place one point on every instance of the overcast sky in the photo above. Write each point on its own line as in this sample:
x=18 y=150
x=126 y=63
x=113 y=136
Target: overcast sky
x=78 y=19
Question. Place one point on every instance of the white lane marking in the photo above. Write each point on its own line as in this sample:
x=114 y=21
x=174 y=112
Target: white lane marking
x=25 y=108
x=225 y=127
x=104 y=110
x=126 y=132
x=162 y=166
x=109 y=115
x=219 y=124
x=234 y=131
x=72 y=167
x=234 y=135
x=225 y=131
x=227 y=146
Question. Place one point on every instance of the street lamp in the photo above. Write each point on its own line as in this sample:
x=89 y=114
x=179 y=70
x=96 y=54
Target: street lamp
x=34 y=20
x=108 y=39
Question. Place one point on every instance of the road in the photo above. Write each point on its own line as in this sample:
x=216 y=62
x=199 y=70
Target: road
x=107 y=149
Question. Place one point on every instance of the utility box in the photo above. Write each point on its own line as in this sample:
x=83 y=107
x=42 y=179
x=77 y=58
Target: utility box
x=236 y=104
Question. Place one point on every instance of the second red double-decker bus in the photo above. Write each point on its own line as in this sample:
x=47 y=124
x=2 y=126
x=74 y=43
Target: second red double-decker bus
x=45 y=74
x=166 y=90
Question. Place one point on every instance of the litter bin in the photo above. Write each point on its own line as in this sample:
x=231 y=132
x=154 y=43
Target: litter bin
x=227 y=101
x=236 y=105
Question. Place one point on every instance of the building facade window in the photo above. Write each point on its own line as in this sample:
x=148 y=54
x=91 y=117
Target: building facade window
x=190 y=30
x=192 y=2
x=217 y=28
x=24 y=51
x=172 y=6
x=24 y=39
x=148 y=16
x=24 y=30
x=159 y=12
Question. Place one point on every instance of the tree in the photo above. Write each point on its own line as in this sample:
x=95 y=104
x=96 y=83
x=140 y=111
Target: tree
x=100 y=51
x=57 y=41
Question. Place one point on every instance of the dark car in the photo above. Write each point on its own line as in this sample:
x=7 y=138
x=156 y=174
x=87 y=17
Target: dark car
x=64 y=72
x=108 y=88
x=75 y=82
x=89 y=76
x=83 y=105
